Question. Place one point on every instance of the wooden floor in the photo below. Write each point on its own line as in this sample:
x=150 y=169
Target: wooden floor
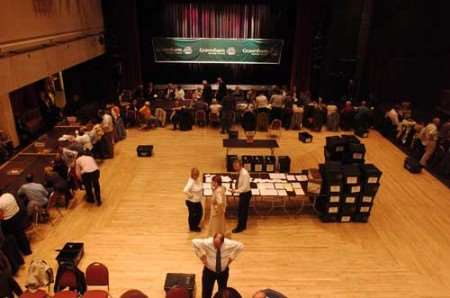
x=140 y=232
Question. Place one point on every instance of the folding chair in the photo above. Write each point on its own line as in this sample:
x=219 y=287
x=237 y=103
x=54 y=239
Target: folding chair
x=200 y=118
x=67 y=280
x=161 y=115
x=52 y=200
x=275 y=128
x=214 y=119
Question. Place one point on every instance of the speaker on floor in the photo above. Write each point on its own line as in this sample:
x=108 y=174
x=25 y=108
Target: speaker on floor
x=144 y=150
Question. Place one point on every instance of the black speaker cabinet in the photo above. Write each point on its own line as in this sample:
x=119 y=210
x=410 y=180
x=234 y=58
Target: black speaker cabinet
x=144 y=150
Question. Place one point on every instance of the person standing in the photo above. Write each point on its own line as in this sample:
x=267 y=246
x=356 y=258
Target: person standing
x=13 y=221
x=228 y=108
x=221 y=89
x=245 y=195
x=429 y=137
x=218 y=207
x=87 y=170
x=216 y=254
x=207 y=93
x=108 y=136
x=193 y=191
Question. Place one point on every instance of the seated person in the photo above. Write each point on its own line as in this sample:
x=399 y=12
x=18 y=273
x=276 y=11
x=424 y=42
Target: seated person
x=197 y=95
x=84 y=139
x=215 y=109
x=362 y=117
x=277 y=104
x=96 y=133
x=268 y=293
x=54 y=183
x=35 y=193
x=179 y=93
x=297 y=116
x=347 y=116
x=146 y=115
x=428 y=138
x=170 y=92
x=175 y=117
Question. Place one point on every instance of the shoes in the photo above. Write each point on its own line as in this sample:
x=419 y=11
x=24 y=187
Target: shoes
x=237 y=230
x=196 y=230
x=90 y=201
x=99 y=203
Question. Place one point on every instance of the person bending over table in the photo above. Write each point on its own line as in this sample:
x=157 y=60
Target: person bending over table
x=87 y=170
x=218 y=207
x=216 y=253
x=13 y=221
x=245 y=195
x=35 y=193
x=193 y=191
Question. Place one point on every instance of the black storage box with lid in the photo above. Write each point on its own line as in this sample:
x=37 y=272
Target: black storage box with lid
x=366 y=199
x=269 y=164
x=335 y=144
x=305 y=137
x=325 y=204
x=344 y=218
x=284 y=164
x=144 y=150
x=352 y=189
x=370 y=174
x=364 y=208
x=180 y=280
x=370 y=189
x=355 y=153
x=350 y=139
x=71 y=253
x=257 y=163
x=229 y=160
x=360 y=217
x=351 y=174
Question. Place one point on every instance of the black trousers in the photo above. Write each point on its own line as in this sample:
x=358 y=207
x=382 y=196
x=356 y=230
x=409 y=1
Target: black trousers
x=15 y=226
x=244 y=203
x=209 y=278
x=91 y=185
x=195 y=214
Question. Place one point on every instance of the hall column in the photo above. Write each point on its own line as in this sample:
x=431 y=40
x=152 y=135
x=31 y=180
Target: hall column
x=7 y=122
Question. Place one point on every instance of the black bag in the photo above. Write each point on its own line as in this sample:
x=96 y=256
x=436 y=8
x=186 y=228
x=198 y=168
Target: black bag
x=144 y=150
x=412 y=165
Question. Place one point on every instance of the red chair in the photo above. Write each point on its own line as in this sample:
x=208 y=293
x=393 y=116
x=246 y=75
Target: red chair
x=177 y=292
x=66 y=294
x=97 y=275
x=37 y=294
x=68 y=279
x=200 y=118
x=133 y=294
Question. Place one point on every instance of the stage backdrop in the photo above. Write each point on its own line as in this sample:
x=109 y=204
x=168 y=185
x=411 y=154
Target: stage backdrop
x=231 y=19
x=217 y=50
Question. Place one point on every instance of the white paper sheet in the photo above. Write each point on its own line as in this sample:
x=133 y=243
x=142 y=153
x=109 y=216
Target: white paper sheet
x=279 y=185
x=296 y=185
x=299 y=191
x=226 y=179
x=282 y=192
x=301 y=178
x=207 y=192
x=290 y=177
x=255 y=192
x=277 y=176
x=268 y=192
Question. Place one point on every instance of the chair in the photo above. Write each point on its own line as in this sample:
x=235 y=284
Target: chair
x=52 y=200
x=214 y=119
x=262 y=121
x=161 y=115
x=67 y=279
x=97 y=275
x=200 y=118
x=275 y=128
x=177 y=292
x=37 y=294
x=133 y=294
x=333 y=121
x=66 y=294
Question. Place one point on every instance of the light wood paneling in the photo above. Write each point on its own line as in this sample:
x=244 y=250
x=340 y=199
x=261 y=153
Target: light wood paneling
x=140 y=232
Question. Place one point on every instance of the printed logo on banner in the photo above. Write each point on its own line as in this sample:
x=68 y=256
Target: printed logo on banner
x=187 y=50
x=231 y=51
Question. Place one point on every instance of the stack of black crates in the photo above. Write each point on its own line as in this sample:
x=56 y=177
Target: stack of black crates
x=260 y=164
x=349 y=185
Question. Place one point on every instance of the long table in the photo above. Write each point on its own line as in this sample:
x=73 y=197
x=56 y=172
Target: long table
x=240 y=143
x=50 y=141
x=287 y=190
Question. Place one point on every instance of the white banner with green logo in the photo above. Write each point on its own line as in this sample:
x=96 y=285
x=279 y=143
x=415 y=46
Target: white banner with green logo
x=217 y=50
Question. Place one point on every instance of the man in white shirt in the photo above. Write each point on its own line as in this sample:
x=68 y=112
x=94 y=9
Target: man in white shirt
x=245 y=195
x=216 y=253
x=12 y=221
x=87 y=170
x=429 y=137
x=261 y=103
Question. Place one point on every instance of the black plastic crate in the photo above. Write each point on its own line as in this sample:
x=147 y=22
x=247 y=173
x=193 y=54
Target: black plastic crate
x=335 y=144
x=360 y=217
x=305 y=137
x=349 y=199
x=332 y=188
x=247 y=162
x=331 y=172
x=269 y=164
x=351 y=174
x=327 y=205
x=257 y=163
x=355 y=153
x=347 y=209
x=284 y=164
x=350 y=139
x=370 y=174
x=370 y=189
x=144 y=150
x=229 y=161
x=366 y=199
x=233 y=134
x=324 y=217
x=344 y=218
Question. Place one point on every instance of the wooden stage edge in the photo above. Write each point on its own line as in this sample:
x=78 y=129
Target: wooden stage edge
x=140 y=232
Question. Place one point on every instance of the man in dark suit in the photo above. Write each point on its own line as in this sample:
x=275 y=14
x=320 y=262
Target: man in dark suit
x=221 y=90
x=228 y=108
x=207 y=93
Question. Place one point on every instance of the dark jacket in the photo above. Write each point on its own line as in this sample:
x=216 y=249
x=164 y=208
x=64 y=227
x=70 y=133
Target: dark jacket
x=207 y=94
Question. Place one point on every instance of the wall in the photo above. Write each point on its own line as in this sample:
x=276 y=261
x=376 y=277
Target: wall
x=25 y=20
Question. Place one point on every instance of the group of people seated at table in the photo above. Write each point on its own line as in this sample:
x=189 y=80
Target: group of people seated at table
x=428 y=142
x=151 y=108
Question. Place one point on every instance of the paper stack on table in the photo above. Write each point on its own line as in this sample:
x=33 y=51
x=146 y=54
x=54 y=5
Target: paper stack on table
x=226 y=179
x=255 y=192
x=301 y=178
x=299 y=191
x=296 y=185
x=290 y=177
x=282 y=192
x=268 y=192
x=277 y=176
x=207 y=192
x=265 y=186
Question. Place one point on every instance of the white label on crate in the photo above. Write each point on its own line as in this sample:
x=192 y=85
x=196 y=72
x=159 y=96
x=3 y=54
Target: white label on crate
x=364 y=209
x=334 y=199
x=356 y=188
x=269 y=168
x=352 y=180
x=333 y=210
x=350 y=200
x=339 y=148
x=357 y=156
x=367 y=199
x=345 y=218
x=258 y=168
x=372 y=180
x=335 y=188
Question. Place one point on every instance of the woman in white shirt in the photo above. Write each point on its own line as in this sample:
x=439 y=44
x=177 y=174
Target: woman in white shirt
x=84 y=139
x=193 y=191
x=218 y=207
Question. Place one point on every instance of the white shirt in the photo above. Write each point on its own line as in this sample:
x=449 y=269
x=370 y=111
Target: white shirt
x=243 y=181
x=261 y=101
x=195 y=188
x=393 y=116
x=230 y=249
x=429 y=134
x=8 y=206
x=179 y=94
x=85 y=164
x=84 y=140
x=107 y=123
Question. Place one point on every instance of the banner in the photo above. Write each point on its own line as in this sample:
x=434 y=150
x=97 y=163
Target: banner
x=217 y=50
